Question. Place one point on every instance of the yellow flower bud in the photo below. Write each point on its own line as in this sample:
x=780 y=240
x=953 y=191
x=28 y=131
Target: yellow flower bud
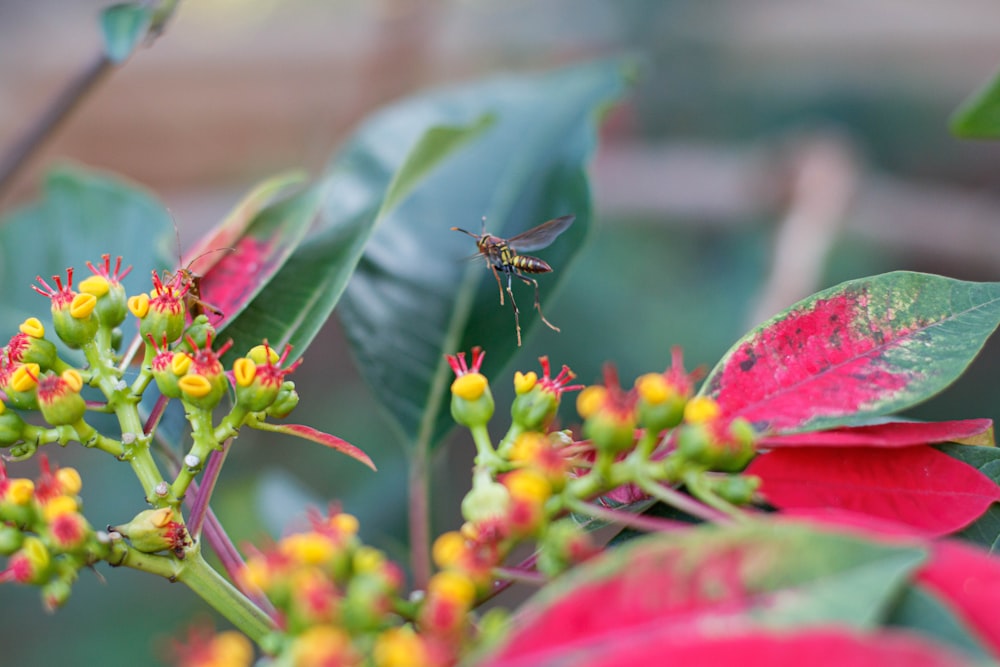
x=701 y=409
x=244 y=370
x=59 y=506
x=589 y=400
x=73 y=379
x=524 y=382
x=346 y=524
x=69 y=481
x=180 y=363
x=448 y=549
x=25 y=378
x=32 y=327
x=20 y=491
x=195 y=385
x=95 y=285
x=139 y=305
x=263 y=354
x=470 y=386
x=82 y=306
x=454 y=586
x=653 y=388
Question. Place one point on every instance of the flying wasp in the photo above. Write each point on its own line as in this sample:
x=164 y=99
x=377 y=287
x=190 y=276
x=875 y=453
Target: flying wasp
x=502 y=256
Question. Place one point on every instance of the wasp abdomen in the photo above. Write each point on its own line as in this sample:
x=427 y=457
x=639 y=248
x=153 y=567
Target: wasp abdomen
x=530 y=264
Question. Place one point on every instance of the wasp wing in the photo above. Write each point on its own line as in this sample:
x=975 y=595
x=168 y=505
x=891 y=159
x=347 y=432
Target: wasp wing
x=538 y=237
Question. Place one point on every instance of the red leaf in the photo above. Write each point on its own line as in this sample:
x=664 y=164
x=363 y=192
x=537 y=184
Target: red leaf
x=891 y=434
x=727 y=646
x=309 y=433
x=968 y=580
x=917 y=486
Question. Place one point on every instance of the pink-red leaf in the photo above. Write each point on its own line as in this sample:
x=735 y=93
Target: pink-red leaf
x=309 y=433
x=786 y=573
x=889 y=434
x=863 y=348
x=723 y=647
x=917 y=486
x=968 y=581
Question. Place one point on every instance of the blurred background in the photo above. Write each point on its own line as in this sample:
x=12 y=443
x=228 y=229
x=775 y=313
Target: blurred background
x=770 y=148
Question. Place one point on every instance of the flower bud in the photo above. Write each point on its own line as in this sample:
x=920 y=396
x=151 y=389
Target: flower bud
x=660 y=406
x=155 y=530
x=31 y=564
x=471 y=400
x=284 y=402
x=55 y=593
x=105 y=285
x=59 y=398
x=30 y=346
x=563 y=545
x=11 y=427
x=487 y=500
x=736 y=489
x=165 y=312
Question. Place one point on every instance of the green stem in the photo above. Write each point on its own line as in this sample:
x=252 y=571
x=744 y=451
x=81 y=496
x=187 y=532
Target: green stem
x=213 y=588
x=419 y=510
x=203 y=435
x=486 y=456
x=195 y=573
x=696 y=484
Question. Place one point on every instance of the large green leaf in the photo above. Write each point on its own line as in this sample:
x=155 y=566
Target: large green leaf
x=413 y=298
x=386 y=159
x=81 y=215
x=979 y=116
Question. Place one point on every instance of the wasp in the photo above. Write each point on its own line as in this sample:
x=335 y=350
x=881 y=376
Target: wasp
x=502 y=256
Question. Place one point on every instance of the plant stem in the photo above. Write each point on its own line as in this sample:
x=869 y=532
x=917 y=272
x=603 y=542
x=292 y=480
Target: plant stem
x=213 y=588
x=17 y=156
x=420 y=539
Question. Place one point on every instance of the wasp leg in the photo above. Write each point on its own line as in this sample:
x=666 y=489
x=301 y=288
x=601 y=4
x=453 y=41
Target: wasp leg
x=517 y=319
x=496 y=275
x=538 y=303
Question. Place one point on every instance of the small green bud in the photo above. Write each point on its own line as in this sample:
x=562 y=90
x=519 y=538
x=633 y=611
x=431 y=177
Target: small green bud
x=155 y=530
x=737 y=489
x=487 y=500
x=284 y=402
x=59 y=398
x=11 y=427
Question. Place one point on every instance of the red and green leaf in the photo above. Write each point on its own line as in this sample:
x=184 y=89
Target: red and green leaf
x=782 y=574
x=917 y=486
x=888 y=434
x=827 y=646
x=313 y=435
x=863 y=348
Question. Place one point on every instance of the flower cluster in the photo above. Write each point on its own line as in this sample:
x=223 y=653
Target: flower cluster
x=340 y=603
x=43 y=534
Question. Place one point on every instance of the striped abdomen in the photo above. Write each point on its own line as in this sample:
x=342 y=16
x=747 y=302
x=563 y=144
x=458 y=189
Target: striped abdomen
x=529 y=264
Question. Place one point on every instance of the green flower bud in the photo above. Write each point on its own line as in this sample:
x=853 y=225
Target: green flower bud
x=11 y=539
x=563 y=545
x=487 y=500
x=55 y=593
x=471 y=400
x=284 y=402
x=112 y=303
x=59 y=398
x=736 y=489
x=155 y=530
x=30 y=346
x=534 y=410
x=11 y=427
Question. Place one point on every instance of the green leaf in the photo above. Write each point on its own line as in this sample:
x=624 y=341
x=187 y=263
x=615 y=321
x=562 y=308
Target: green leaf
x=81 y=215
x=920 y=610
x=123 y=26
x=414 y=298
x=354 y=194
x=978 y=117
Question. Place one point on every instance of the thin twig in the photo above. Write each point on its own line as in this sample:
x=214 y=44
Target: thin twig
x=18 y=155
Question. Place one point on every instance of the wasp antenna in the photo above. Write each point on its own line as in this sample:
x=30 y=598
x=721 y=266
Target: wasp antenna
x=459 y=229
